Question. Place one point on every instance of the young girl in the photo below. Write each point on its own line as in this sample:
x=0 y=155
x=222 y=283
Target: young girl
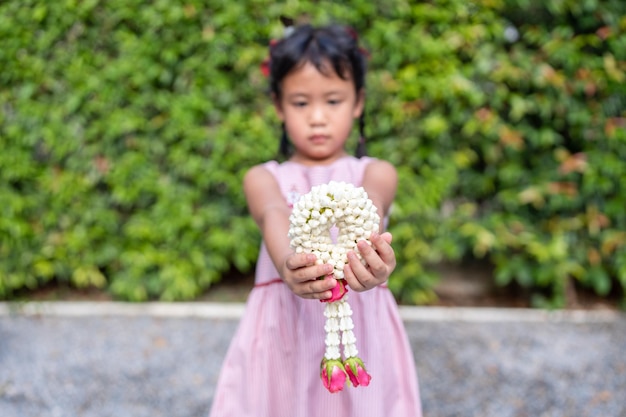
x=272 y=368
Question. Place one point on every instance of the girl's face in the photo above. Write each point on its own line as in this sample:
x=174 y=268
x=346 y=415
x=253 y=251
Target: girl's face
x=318 y=111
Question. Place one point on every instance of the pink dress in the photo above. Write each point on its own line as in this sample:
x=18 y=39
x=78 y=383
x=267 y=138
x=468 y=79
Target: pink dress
x=272 y=366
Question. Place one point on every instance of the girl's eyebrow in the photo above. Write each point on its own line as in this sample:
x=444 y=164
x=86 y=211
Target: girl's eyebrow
x=306 y=95
x=297 y=95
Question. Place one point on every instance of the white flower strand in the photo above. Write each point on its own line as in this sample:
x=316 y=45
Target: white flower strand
x=348 y=339
x=332 y=331
x=339 y=319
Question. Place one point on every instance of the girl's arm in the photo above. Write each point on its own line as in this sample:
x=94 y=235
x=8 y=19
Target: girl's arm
x=271 y=213
x=380 y=182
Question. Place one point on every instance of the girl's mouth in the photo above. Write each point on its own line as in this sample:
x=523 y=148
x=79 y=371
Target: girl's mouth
x=318 y=138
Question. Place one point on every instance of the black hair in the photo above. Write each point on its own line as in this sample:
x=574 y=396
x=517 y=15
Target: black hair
x=334 y=44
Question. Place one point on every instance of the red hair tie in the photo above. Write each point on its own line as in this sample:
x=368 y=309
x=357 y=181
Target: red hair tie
x=288 y=24
x=265 y=65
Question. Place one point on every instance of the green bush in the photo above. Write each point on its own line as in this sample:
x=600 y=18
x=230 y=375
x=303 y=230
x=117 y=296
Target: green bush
x=126 y=128
x=547 y=181
x=520 y=117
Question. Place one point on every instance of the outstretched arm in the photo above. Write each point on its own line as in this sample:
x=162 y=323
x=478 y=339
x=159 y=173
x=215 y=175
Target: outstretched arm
x=271 y=213
x=380 y=182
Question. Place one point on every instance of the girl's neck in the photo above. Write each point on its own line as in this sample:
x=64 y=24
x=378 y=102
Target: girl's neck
x=304 y=160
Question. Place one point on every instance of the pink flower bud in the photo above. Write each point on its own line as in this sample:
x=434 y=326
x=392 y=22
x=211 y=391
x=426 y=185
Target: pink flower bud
x=333 y=375
x=338 y=292
x=356 y=372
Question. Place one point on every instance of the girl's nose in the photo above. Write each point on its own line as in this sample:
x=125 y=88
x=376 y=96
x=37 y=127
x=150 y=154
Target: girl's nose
x=317 y=115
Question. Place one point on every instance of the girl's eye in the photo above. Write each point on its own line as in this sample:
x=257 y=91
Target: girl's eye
x=299 y=103
x=334 y=102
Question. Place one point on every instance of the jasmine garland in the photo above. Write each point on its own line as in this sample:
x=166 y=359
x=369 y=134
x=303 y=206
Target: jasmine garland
x=348 y=208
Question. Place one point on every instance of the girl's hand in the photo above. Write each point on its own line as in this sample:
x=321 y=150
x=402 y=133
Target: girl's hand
x=381 y=261
x=301 y=274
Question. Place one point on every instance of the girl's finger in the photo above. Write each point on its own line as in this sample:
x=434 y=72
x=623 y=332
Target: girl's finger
x=299 y=260
x=311 y=276
x=383 y=248
x=356 y=273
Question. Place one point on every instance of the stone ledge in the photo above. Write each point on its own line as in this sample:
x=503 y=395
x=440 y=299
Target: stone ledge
x=235 y=311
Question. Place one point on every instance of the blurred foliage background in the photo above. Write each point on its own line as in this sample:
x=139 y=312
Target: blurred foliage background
x=126 y=127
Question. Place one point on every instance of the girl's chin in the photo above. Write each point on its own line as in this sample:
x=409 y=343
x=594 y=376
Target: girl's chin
x=319 y=158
